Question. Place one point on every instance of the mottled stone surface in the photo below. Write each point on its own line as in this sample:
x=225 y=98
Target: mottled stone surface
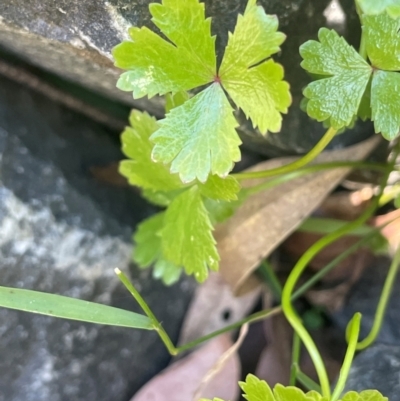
x=64 y=232
x=364 y=298
x=377 y=368
x=73 y=38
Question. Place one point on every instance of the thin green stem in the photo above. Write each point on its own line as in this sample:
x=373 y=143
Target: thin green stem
x=269 y=276
x=322 y=225
x=255 y=317
x=318 y=276
x=315 y=168
x=382 y=305
x=296 y=348
x=301 y=265
x=354 y=330
x=309 y=157
x=146 y=309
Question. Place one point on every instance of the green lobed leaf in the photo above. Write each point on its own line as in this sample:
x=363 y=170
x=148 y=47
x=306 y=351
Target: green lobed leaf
x=140 y=170
x=199 y=137
x=148 y=250
x=187 y=238
x=258 y=89
x=161 y=198
x=71 y=308
x=367 y=395
x=256 y=389
x=157 y=66
x=371 y=7
x=217 y=188
x=338 y=96
x=383 y=41
x=385 y=103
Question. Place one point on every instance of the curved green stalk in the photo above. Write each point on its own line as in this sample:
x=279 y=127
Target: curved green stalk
x=314 y=168
x=383 y=301
x=308 y=158
x=353 y=330
x=301 y=265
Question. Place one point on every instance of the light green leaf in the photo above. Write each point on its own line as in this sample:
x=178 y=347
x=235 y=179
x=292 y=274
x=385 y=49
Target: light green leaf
x=166 y=271
x=372 y=7
x=141 y=170
x=256 y=389
x=218 y=188
x=157 y=66
x=383 y=41
x=161 y=198
x=70 y=308
x=175 y=100
x=148 y=250
x=385 y=103
x=367 y=395
x=199 y=137
x=337 y=96
x=256 y=88
x=187 y=238
x=148 y=240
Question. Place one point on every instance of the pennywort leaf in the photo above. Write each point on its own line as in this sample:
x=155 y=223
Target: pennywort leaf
x=258 y=89
x=70 y=308
x=385 y=103
x=187 y=238
x=351 y=87
x=367 y=395
x=383 y=41
x=140 y=170
x=198 y=137
x=148 y=250
x=373 y=7
x=337 y=96
x=225 y=189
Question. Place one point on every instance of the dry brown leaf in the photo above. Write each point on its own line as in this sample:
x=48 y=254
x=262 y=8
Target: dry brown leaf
x=180 y=381
x=266 y=219
x=392 y=231
x=214 y=307
x=209 y=386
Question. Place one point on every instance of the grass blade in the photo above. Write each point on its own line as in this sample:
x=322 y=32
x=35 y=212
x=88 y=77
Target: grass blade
x=71 y=308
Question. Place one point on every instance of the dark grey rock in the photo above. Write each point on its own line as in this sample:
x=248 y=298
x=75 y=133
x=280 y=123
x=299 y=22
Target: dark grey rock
x=364 y=298
x=377 y=368
x=73 y=38
x=63 y=232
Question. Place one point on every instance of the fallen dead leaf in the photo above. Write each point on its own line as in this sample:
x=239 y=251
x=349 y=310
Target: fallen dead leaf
x=181 y=380
x=392 y=231
x=267 y=218
x=214 y=307
x=209 y=387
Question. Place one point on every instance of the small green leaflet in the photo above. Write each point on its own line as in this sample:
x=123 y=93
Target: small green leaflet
x=258 y=390
x=148 y=250
x=337 y=96
x=367 y=395
x=383 y=41
x=199 y=137
x=70 y=308
x=371 y=7
x=258 y=89
x=140 y=170
x=187 y=238
x=350 y=86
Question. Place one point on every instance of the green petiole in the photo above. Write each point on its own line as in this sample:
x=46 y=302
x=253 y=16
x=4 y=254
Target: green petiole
x=301 y=265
